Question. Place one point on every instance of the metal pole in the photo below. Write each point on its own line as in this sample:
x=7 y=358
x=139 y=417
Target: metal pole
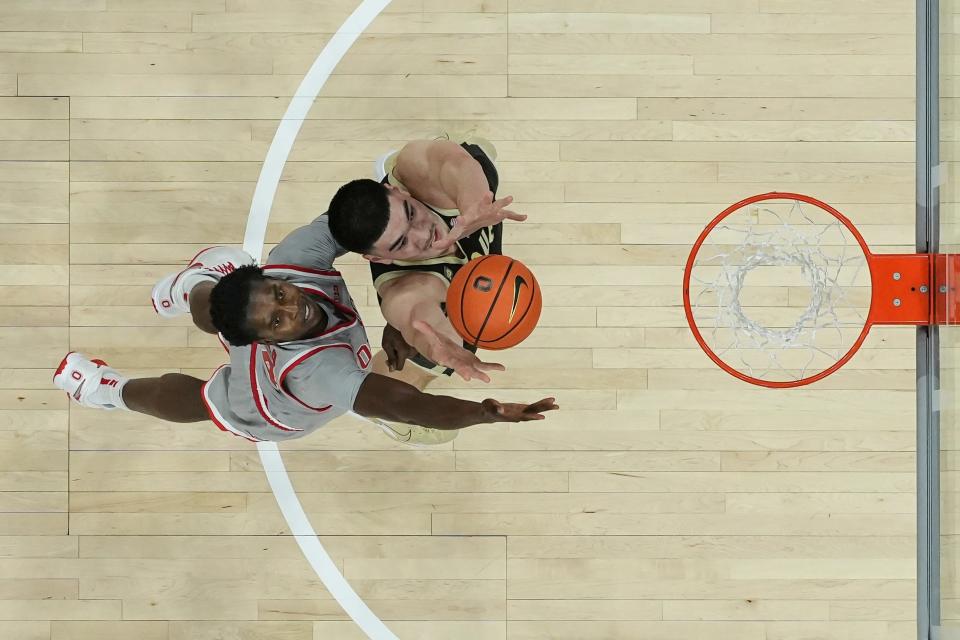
x=928 y=350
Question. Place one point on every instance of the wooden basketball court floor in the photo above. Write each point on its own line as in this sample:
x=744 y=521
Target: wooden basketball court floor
x=666 y=500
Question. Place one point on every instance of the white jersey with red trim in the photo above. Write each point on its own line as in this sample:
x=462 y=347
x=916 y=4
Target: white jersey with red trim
x=280 y=391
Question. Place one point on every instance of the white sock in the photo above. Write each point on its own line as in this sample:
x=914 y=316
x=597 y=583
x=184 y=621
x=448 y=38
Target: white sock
x=110 y=393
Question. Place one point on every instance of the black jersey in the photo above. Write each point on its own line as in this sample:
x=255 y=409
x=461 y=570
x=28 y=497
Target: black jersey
x=483 y=242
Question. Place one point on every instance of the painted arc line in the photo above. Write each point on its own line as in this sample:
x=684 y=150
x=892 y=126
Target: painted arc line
x=309 y=543
x=300 y=104
x=253 y=239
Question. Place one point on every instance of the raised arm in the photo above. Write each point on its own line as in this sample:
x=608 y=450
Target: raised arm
x=389 y=399
x=442 y=173
x=411 y=303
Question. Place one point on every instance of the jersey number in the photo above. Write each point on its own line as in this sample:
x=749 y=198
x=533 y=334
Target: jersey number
x=364 y=356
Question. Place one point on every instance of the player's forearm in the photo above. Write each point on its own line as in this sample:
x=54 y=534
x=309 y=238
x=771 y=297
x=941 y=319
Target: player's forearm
x=397 y=401
x=464 y=181
x=432 y=315
x=445 y=412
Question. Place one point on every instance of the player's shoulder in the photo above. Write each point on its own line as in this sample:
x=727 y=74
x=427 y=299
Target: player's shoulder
x=311 y=245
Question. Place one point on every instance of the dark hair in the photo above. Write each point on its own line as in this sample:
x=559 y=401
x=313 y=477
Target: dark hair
x=358 y=214
x=228 y=304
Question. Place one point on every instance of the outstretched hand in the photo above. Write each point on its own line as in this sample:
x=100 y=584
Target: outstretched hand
x=485 y=213
x=514 y=412
x=448 y=353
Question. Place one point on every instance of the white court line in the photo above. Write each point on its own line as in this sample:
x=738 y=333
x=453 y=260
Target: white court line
x=310 y=545
x=253 y=238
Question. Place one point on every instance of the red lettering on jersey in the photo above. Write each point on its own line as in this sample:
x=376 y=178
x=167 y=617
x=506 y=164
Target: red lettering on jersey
x=270 y=360
x=364 y=357
x=336 y=292
x=225 y=268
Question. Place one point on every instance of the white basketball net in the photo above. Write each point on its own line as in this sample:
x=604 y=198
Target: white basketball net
x=779 y=290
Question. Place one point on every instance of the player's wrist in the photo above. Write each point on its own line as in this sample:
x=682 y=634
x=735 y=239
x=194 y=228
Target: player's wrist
x=469 y=209
x=488 y=411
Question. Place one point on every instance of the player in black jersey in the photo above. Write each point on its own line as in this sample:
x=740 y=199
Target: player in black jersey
x=434 y=210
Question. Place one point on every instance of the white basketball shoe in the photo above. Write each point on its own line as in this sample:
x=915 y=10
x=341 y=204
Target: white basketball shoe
x=414 y=435
x=171 y=296
x=90 y=383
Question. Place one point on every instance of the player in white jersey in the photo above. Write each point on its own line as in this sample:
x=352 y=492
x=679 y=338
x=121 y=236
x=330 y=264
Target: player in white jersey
x=299 y=355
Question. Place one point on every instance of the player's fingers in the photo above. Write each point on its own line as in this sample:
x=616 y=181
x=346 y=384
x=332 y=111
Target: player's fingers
x=389 y=360
x=460 y=229
x=547 y=404
x=450 y=239
x=475 y=372
x=512 y=215
x=453 y=232
x=526 y=417
x=520 y=413
x=490 y=366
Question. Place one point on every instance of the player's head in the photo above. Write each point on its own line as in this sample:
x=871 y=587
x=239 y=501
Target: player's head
x=248 y=306
x=384 y=223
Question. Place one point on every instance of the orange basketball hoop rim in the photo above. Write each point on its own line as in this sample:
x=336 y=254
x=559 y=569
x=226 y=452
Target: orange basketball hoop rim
x=906 y=289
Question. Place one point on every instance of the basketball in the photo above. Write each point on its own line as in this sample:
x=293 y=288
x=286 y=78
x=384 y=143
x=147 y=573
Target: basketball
x=494 y=302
